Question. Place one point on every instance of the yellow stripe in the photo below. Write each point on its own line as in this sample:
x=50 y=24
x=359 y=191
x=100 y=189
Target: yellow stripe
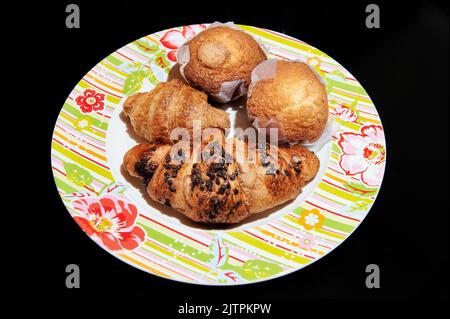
x=255 y=242
x=349 y=95
x=340 y=180
x=325 y=232
x=366 y=119
x=82 y=161
x=114 y=69
x=81 y=147
x=72 y=121
x=151 y=269
x=337 y=192
x=97 y=80
x=276 y=38
x=181 y=258
x=320 y=230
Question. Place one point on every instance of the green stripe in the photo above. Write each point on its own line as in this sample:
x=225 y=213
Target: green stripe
x=250 y=240
x=154 y=249
x=335 y=148
x=82 y=161
x=166 y=240
x=356 y=89
x=288 y=42
x=337 y=192
x=329 y=222
x=93 y=120
x=64 y=186
x=338 y=225
x=113 y=60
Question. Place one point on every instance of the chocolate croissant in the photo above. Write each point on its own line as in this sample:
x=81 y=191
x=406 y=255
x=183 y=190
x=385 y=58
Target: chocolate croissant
x=171 y=105
x=219 y=188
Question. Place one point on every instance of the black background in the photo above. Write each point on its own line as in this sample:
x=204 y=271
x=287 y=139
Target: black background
x=403 y=66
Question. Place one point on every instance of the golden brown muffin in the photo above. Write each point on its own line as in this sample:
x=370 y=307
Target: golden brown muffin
x=293 y=99
x=218 y=55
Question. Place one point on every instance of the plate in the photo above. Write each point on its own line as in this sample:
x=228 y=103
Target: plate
x=91 y=137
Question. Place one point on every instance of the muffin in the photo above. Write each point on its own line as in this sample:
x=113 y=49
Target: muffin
x=289 y=96
x=219 y=61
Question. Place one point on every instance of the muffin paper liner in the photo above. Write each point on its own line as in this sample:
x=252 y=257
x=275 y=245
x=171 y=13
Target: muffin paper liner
x=267 y=70
x=230 y=90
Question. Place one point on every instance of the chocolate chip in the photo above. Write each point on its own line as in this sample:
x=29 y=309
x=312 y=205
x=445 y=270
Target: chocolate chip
x=202 y=188
x=214 y=201
x=169 y=182
x=286 y=172
x=172 y=189
x=232 y=177
x=167 y=202
x=235 y=191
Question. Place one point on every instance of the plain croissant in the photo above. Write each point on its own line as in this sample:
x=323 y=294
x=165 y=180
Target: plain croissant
x=219 y=190
x=171 y=105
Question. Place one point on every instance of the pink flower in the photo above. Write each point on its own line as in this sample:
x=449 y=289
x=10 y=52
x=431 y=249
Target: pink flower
x=306 y=241
x=109 y=221
x=346 y=114
x=364 y=154
x=174 y=39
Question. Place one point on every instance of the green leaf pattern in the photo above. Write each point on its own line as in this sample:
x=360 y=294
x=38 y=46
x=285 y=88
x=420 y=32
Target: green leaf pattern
x=77 y=174
x=138 y=71
x=250 y=270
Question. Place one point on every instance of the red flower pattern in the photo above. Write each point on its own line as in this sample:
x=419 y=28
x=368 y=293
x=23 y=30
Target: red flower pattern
x=346 y=114
x=109 y=221
x=90 y=101
x=174 y=39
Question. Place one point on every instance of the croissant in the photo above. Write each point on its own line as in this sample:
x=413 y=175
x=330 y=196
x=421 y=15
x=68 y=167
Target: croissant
x=153 y=115
x=219 y=189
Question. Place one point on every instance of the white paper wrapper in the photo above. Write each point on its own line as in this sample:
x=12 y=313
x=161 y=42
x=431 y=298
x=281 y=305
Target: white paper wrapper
x=330 y=130
x=231 y=90
x=267 y=70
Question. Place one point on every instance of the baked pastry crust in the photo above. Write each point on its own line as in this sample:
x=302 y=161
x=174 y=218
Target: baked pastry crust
x=295 y=99
x=221 y=54
x=171 y=105
x=215 y=191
